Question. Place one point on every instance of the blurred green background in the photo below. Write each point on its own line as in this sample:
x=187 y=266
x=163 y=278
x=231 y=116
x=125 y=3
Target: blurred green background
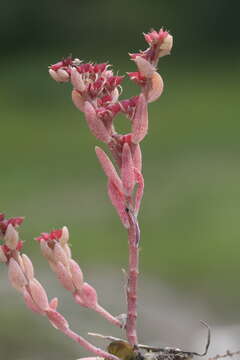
x=50 y=175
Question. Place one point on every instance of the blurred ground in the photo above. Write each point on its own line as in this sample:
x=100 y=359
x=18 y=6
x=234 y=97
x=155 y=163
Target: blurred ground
x=49 y=172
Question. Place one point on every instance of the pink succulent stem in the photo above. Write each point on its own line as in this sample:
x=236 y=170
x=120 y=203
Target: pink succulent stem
x=113 y=320
x=88 y=346
x=133 y=241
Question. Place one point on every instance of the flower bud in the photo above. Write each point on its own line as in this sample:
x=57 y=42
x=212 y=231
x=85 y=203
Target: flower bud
x=46 y=250
x=63 y=75
x=11 y=237
x=54 y=75
x=65 y=236
x=77 y=80
x=166 y=46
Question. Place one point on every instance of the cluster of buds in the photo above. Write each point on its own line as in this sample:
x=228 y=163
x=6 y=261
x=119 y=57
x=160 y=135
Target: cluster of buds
x=55 y=249
x=96 y=89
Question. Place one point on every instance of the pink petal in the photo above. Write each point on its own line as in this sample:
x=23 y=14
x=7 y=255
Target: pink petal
x=11 y=237
x=77 y=80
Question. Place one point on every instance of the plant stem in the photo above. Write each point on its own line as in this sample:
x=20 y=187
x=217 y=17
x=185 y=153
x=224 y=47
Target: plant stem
x=95 y=350
x=133 y=242
x=112 y=319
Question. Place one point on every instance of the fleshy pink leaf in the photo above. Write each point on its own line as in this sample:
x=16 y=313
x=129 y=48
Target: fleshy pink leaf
x=95 y=124
x=108 y=168
x=140 y=120
x=119 y=202
x=127 y=170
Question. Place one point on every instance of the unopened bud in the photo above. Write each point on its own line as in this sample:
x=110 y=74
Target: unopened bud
x=166 y=46
x=63 y=75
x=11 y=237
x=78 y=100
x=46 y=250
x=54 y=75
x=77 y=80
x=65 y=236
